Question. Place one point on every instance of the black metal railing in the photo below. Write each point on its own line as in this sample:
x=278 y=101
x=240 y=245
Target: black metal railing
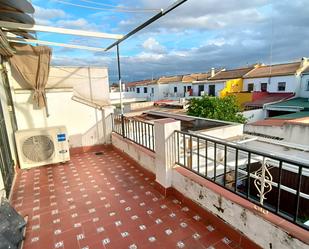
x=140 y=132
x=279 y=185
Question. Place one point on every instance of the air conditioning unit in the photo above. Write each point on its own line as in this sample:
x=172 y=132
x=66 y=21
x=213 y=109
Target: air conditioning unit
x=42 y=146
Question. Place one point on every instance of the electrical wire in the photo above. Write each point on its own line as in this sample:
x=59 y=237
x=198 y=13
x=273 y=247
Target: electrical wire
x=118 y=7
x=98 y=8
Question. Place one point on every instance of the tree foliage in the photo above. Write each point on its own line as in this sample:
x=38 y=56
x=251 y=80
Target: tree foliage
x=225 y=109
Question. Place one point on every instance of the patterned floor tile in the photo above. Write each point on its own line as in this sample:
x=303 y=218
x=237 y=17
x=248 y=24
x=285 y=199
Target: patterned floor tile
x=106 y=201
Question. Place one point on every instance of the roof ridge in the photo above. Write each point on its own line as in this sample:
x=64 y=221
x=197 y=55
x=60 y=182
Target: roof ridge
x=234 y=69
x=280 y=64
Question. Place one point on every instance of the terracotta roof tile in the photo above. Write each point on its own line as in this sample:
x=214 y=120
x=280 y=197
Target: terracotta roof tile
x=269 y=98
x=273 y=70
x=170 y=79
x=231 y=74
x=281 y=122
x=299 y=121
x=141 y=83
x=195 y=77
x=269 y=122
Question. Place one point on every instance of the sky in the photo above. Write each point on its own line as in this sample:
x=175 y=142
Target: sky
x=198 y=35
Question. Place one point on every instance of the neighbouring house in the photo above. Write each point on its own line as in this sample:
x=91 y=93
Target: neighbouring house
x=148 y=89
x=304 y=88
x=275 y=78
x=226 y=82
x=131 y=86
x=273 y=83
x=200 y=83
x=172 y=87
x=197 y=83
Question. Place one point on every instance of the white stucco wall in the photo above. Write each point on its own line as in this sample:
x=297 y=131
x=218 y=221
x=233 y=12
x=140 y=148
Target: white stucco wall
x=195 y=89
x=292 y=83
x=275 y=131
x=224 y=132
x=290 y=133
x=163 y=91
x=83 y=122
x=256 y=228
x=159 y=91
x=124 y=95
x=141 y=94
x=254 y=115
x=180 y=89
x=145 y=159
x=304 y=93
x=218 y=87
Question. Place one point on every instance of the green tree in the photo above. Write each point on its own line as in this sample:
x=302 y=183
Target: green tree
x=225 y=109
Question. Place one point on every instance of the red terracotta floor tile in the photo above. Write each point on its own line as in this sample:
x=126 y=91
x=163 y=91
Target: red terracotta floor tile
x=106 y=201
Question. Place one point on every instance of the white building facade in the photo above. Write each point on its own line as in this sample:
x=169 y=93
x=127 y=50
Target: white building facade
x=274 y=84
x=304 y=87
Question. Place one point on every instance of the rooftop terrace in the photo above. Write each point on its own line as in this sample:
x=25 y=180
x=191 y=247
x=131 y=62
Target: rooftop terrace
x=108 y=201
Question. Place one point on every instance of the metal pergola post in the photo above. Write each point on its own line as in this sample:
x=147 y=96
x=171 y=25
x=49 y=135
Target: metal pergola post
x=137 y=29
x=120 y=90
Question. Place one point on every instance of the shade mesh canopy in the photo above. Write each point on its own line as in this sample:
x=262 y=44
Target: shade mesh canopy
x=32 y=64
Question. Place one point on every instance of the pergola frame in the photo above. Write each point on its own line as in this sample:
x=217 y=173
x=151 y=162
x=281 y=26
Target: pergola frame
x=7 y=26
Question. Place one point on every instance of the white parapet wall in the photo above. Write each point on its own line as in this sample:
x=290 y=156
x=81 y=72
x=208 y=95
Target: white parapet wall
x=144 y=157
x=224 y=132
x=83 y=121
x=241 y=217
x=254 y=115
x=289 y=132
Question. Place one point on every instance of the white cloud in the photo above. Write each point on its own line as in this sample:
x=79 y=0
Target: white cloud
x=79 y=23
x=45 y=13
x=202 y=15
x=153 y=46
x=205 y=34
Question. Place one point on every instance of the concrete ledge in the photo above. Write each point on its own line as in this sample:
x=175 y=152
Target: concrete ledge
x=85 y=149
x=141 y=155
x=146 y=172
x=264 y=228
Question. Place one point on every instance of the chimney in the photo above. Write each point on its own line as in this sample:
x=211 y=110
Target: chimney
x=212 y=74
x=304 y=62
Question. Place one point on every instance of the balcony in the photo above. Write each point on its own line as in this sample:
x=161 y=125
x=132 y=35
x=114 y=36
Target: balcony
x=158 y=187
x=107 y=200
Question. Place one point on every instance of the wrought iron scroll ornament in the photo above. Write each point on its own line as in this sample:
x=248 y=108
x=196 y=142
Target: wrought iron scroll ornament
x=263 y=180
